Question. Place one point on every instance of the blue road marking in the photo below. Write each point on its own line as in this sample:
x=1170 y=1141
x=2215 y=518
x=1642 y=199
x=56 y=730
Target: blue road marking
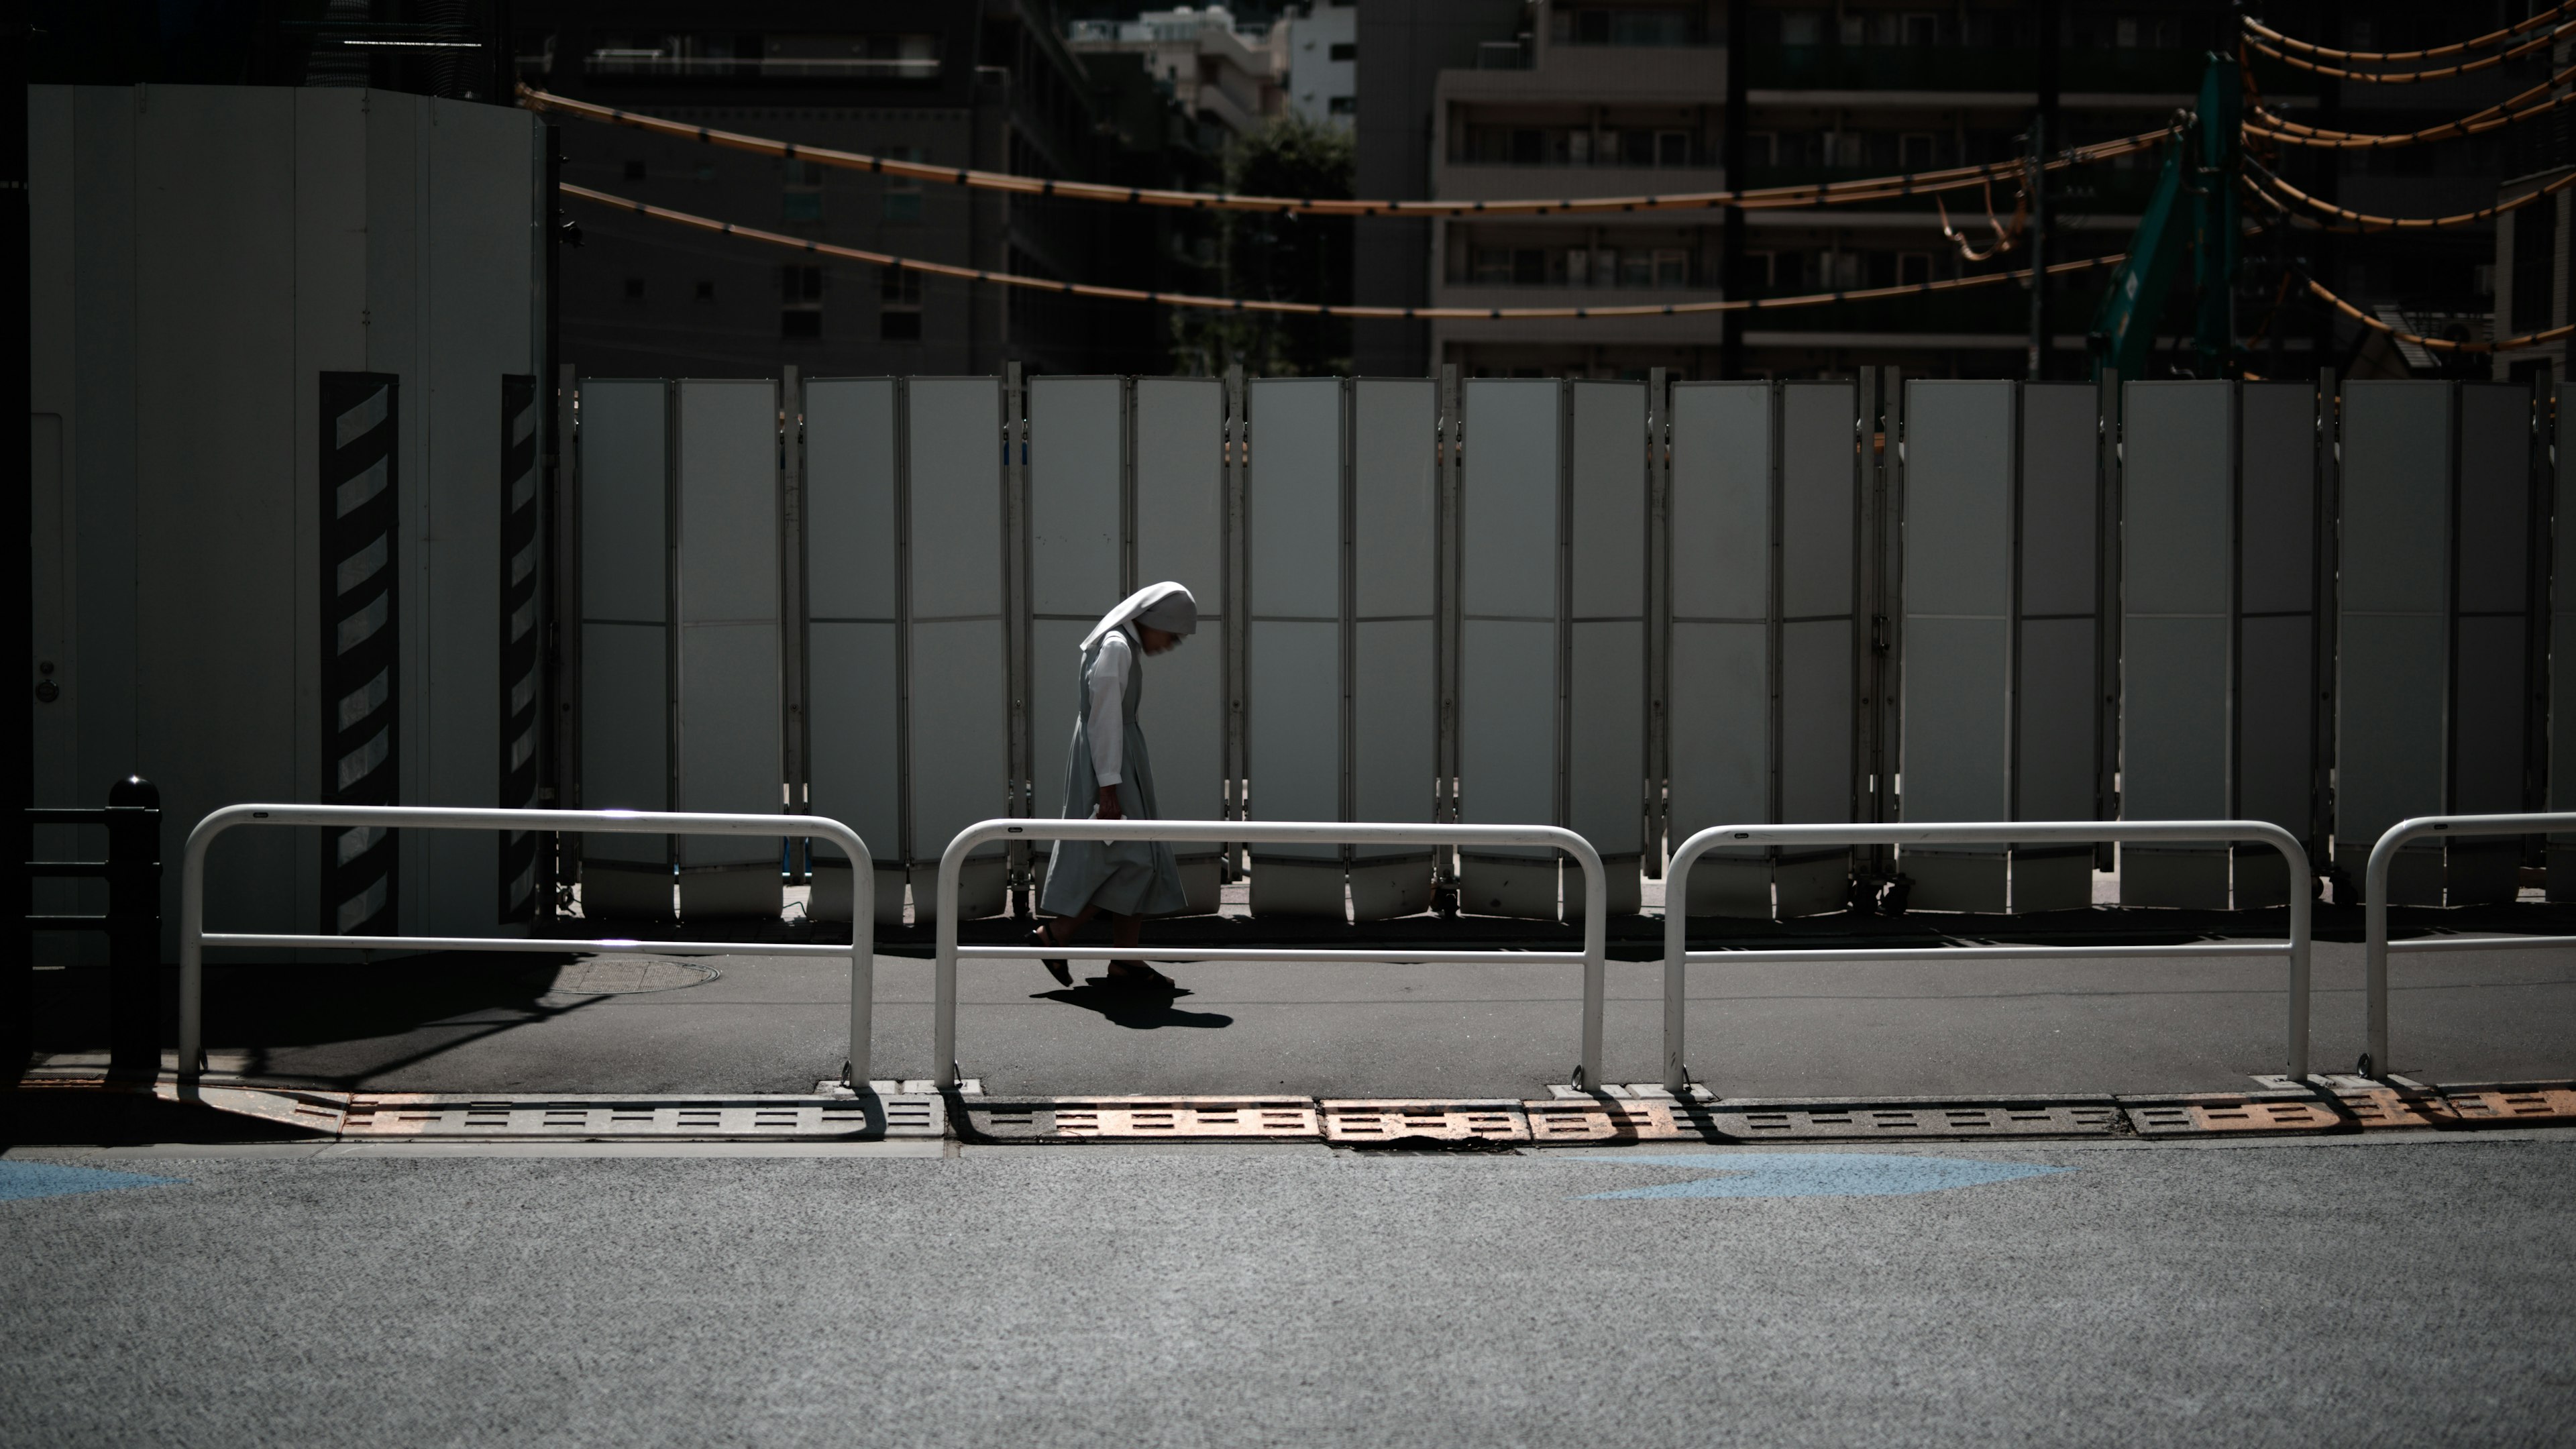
x=1815 y=1174
x=53 y=1179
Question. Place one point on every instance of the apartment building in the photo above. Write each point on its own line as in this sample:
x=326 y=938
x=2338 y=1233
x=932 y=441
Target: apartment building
x=1221 y=73
x=1319 y=43
x=1586 y=98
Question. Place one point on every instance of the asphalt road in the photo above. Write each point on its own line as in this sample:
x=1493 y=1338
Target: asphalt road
x=1914 y=1027
x=2360 y=1291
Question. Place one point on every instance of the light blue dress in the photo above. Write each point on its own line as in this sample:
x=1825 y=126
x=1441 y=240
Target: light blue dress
x=1129 y=878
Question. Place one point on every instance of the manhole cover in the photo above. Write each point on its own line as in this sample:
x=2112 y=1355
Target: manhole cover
x=610 y=975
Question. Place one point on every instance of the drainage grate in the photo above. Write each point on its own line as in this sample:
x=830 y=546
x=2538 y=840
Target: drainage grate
x=426 y=1115
x=1930 y=1119
x=2460 y=1106
x=2195 y=1116
x=1581 y=1123
x=1146 y=1119
x=305 y=1111
x=1359 y=1121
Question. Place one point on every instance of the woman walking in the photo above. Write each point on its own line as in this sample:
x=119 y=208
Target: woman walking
x=1108 y=777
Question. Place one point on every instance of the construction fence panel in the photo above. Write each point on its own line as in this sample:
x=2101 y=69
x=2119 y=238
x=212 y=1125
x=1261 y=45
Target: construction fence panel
x=1391 y=612
x=625 y=510
x=1179 y=503
x=1510 y=687
x=1294 y=688
x=1720 y=731
x=955 y=742
x=853 y=619
x=730 y=707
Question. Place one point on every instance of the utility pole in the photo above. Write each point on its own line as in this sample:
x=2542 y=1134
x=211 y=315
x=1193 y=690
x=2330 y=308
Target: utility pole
x=1730 y=347
x=2043 y=134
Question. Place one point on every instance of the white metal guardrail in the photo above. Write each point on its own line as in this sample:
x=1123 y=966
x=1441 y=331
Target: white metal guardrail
x=1678 y=956
x=1591 y=958
x=194 y=938
x=2375 y=943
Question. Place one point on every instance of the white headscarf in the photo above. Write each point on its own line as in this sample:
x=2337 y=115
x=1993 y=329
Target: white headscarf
x=1166 y=606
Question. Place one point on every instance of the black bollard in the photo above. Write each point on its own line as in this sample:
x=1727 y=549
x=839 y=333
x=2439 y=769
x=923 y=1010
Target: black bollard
x=133 y=923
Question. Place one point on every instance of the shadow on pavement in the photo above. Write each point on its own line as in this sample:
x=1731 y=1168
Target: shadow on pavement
x=1134 y=1010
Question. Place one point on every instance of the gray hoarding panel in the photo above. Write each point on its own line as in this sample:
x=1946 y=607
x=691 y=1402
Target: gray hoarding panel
x=2393 y=589
x=1507 y=736
x=1606 y=768
x=1394 y=691
x=1509 y=504
x=731 y=706
x=1510 y=571
x=2492 y=550
x=625 y=593
x=1608 y=484
x=2176 y=557
x=957 y=731
x=1077 y=539
x=1719 y=697
x=1958 y=598
x=2276 y=693
x=1180 y=534
x=2562 y=652
x=1819 y=512
x=2054 y=774
x=851 y=581
x=957 y=736
x=955 y=430
x=1293 y=735
x=1819 y=501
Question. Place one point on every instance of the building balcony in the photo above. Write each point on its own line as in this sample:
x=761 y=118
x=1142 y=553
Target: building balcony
x=1483 y=181
x=1976 y=69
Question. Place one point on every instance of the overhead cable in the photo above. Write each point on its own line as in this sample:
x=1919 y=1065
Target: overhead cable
x=2264 y=123
x=2409 y=77
x=1314 y=309
x=2493 y=37
x=2365 y=221
x=1831 y=193
x=2442 y=344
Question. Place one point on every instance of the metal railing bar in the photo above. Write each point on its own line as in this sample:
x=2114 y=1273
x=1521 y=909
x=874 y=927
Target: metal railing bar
x=2478 y=943
x=1298 y=955
x=1991 y=953
x=529 y=944
x=1678 y=957
x=2375 y=945
x=194 y=938
x=1594 y=956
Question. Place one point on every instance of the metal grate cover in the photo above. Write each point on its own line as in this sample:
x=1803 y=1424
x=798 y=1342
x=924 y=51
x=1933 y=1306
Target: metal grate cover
x=2217 y=1112
x=1382 y=1121
x=1578 y=1122
x=1146 y=1119
x=2461 y=1107
x=1755 y=1122
x=614 y=1118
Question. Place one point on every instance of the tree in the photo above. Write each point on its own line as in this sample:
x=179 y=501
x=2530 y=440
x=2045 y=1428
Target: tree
x=1277 y=257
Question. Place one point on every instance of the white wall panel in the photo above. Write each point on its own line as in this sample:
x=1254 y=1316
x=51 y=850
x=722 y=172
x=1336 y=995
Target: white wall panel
x=1394 y=728
x=1508 y=690
x=731 y=708
x=1180 y=535
x=1959 y=447
x=2394 y=587
x=2492 y=631
x=1077 y=537
x=957 y=735
x=625 y=594
x=2178 y=663
x=1817 y=639
x=851 y=574
x=1605 y=744
x=2276 y=640
x=1721 y=601
x=1293 y=691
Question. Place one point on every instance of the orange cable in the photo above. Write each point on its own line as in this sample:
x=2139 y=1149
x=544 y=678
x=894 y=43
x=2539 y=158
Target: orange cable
x=2385 y=56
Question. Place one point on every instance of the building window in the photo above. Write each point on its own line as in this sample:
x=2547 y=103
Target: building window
x=1344 y=50
x=1672 y=148
x=1672 y=267
x=1913 y=268
x=1342 y=106
x=898 y=304
x=634 y=289
x=2535 y=247
x=1914 y=151
x=802 y=198
x=800 y=295
x=902 y=201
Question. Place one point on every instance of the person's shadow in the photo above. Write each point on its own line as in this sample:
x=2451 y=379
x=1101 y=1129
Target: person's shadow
x=1130 y=1008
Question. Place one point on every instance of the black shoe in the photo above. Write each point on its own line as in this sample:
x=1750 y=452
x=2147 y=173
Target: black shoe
x=1138 y=977
x=1056 y=966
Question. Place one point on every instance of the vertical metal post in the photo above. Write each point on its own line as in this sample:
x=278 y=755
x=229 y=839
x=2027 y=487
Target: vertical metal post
x=134 y=929
x=792 y=611
x=1659 y=612
x=1016 y=626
